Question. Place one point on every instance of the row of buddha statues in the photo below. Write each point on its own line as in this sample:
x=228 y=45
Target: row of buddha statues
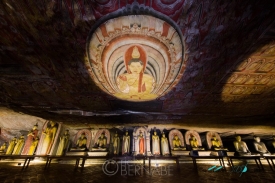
x=20 y=146
x=55 y=141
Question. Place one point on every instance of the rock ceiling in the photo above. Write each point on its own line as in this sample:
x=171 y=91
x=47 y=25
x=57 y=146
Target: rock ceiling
x=229 y=51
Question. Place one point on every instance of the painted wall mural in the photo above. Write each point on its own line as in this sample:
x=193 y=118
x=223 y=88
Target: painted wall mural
x=135 y=57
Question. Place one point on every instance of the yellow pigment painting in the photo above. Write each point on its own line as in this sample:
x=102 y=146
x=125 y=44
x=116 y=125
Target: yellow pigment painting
x=135 y=57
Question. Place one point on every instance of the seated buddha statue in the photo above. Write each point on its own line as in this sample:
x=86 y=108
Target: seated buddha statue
x=101 y=143
x=260 y=146
x=194 y=143
x=241 y=147
x=81 y=144
x=177 y=144
x=216 y=144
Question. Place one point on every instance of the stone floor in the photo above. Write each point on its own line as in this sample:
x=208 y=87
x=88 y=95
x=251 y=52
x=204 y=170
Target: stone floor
x=10 y=172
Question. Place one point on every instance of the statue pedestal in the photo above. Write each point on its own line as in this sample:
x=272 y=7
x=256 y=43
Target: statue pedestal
x=99 y=149
x=230 y=153
x=97 y=153
x=180 y=153
x=269 y=154
x=76 y=153
x=200 y=153
x=148 y=153
x=204 y=153
x=248 y=154
x=220 y=153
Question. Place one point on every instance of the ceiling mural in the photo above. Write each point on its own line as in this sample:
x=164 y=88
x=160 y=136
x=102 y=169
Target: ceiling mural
x=136 y=58
x=196 y=58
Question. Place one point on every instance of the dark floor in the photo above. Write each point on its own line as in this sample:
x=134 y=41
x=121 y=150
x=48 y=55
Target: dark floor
x=10 y=172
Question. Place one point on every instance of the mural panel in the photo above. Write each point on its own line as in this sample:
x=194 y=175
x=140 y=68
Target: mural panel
x=135 y=57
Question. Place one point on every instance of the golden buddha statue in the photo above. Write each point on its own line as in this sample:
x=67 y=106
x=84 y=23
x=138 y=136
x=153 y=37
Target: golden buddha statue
x=63 y=143
x=11 y=146
x=101 y=143
x=155 y=144
x=116 y=143
x=33 y=146
x=241 y=146
x=126 y=143
x=3 y=148
x=260 y=146
x=81 y=144
x=19 y=146
x=194 y=143
x=135 y=84
x=216 y=144
x=177 y=144
x=49 y=133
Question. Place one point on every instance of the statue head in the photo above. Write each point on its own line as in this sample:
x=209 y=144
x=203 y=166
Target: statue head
x=52 y=123
x=116 y=134
x=214 y=137
x=193 y=137
x=35 y=126
x=83 y=135
x=102 y=135
x=155 y=133
x=176 y=137
x=238 y=138
x=126 y=133
x=66 y=132
x=257 y=139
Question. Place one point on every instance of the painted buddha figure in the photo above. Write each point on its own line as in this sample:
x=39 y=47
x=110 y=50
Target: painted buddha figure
x=194 y=143
x=216 y=144
x=241 y=147
x=260 y=146
x=135 y=84
x=101 y=143
x=177 y=144
x=81 y=144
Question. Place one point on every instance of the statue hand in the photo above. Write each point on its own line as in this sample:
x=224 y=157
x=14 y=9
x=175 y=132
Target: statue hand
x=123 y=78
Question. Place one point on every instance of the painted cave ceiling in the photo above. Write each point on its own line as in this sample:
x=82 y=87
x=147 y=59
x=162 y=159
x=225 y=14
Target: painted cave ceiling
x=62 y=59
